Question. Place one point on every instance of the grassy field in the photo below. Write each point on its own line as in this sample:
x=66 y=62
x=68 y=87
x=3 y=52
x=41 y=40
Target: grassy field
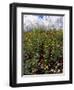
x=42 y=52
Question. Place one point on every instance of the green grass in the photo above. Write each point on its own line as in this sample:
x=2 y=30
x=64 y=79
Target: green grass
x=42 y=52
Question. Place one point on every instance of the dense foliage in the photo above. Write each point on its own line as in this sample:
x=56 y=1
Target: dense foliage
x=42 y=52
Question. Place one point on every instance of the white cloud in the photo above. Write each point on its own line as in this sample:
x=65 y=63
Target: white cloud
x=46 y=22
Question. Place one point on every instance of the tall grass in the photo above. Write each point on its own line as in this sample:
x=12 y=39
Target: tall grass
x=42 y=52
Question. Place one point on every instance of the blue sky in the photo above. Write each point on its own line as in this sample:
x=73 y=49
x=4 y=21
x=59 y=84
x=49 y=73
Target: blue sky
x=40 y=16
x=42 y=21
